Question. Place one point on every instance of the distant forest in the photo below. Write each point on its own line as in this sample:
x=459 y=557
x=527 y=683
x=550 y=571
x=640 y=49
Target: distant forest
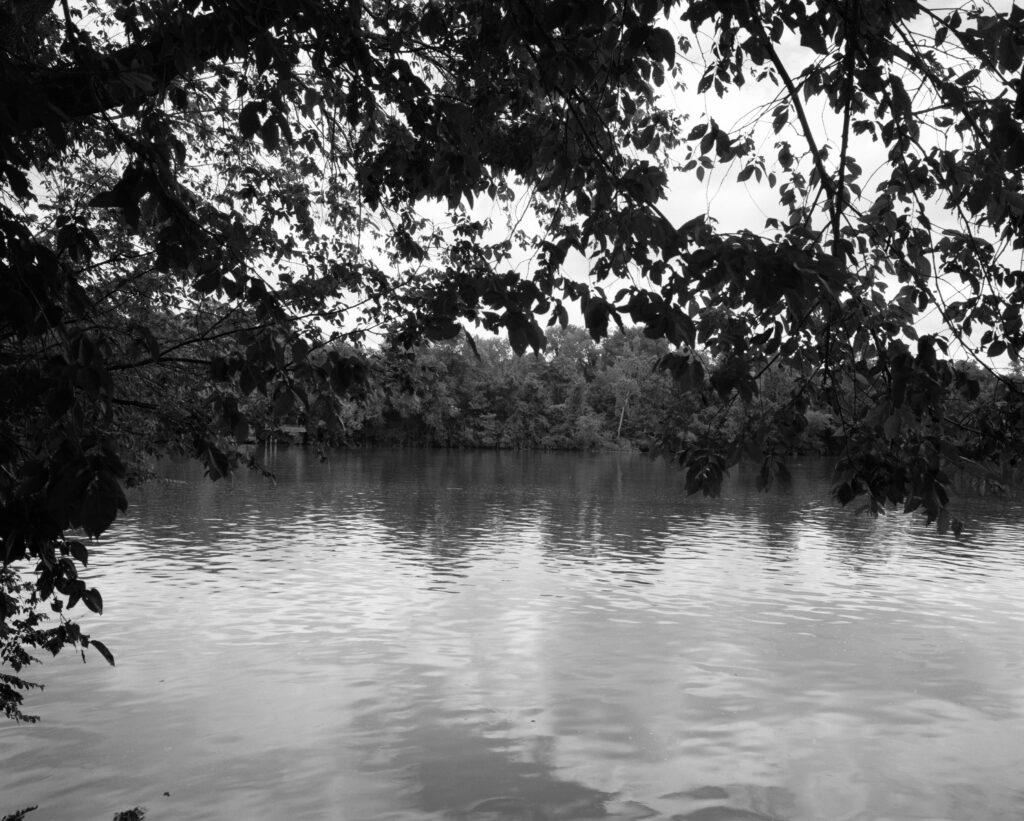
x=625 y=392
x=577 y=395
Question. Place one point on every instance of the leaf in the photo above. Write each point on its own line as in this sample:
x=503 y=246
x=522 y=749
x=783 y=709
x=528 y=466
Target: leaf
x=271 y=135
x=209 y=281
x=662 y=45
x=811 y=36
x=643 y=139
x=472 y=346
x=535 y=336
x=93 y=600
x=249 y=119
x=1009 y=52
x=75 y=594
x=99 y=505
x=300 y=350
x=518 y=338
x=18 y=181
x=968 y=77
x=263 y=51
x=697 y=131
x=102 y=648
x=79 y=552
x=596 y=315
x=442 y=329
x=901 y=105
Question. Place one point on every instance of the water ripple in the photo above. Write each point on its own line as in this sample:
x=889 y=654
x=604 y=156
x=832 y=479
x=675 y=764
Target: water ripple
x=496 y=636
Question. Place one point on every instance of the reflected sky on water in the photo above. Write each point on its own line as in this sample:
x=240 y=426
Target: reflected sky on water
x=495 y=636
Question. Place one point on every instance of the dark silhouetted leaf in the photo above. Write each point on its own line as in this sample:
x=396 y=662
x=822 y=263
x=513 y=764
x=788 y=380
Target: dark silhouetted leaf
x=249 y=119
x=93 y=600
x=103 y=651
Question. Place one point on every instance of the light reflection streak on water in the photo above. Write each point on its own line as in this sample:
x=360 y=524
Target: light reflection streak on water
x=418 y=634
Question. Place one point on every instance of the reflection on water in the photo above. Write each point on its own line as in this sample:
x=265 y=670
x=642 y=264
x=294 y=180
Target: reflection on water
x=502 y=636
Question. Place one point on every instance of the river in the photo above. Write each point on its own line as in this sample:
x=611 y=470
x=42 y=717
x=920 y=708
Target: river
x=491 y=636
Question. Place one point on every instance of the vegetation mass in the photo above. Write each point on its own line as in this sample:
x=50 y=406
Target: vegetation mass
x=580 y=396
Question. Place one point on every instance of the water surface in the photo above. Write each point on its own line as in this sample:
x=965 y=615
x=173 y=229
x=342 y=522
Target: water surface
x=497 y=636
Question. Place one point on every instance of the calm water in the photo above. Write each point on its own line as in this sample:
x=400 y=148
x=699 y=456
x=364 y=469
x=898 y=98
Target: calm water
x=513 y=637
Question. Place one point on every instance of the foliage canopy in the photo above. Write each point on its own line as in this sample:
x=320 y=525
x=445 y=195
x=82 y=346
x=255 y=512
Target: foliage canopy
x=199 y=201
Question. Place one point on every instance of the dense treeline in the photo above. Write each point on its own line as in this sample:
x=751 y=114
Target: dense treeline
x=578 y=395
x=626 y=391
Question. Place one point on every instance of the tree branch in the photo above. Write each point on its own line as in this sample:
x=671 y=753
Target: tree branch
x=757 y=26
x=852 y=19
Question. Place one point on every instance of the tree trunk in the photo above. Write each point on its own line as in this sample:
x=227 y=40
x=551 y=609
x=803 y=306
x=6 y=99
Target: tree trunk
x=618 y=433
